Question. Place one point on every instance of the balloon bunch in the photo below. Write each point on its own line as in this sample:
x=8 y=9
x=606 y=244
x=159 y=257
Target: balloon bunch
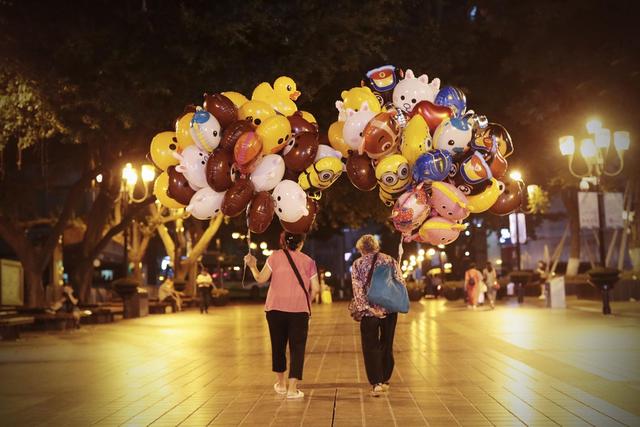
x=434 y=162
x=260 y=156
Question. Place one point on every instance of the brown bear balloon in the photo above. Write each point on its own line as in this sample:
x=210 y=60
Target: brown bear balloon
x=301 y=151
x=304 y=224
x=237 y=197
x=233 y=132
x=361 y=172
x=299 y=124
x=381 y=135
x=222 y=109
x=260 y=213
x=179 y=189
x=220 y=170
x=510 y=200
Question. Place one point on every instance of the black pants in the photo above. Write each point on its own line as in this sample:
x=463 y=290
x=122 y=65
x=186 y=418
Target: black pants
x=205 y=293
x=292 y=328
x=377 y=347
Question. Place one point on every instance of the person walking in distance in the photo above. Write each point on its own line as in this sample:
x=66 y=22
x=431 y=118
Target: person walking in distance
x=472 y=282
x=491 y=279
x=205 y=284
x=377 y=326
x=294 y=284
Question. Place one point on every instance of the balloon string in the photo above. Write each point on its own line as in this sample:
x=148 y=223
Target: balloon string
x=244 y=269
x=400 y=250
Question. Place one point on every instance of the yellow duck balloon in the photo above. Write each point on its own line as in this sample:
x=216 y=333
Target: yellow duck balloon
x=416 y=139
x=483 y=201
x=237 y=98
x=163 y=145
x=394 y=175
x=320 y=175
x=274 y=133
x=160 y=187
x=280 y=97
x=256 y=112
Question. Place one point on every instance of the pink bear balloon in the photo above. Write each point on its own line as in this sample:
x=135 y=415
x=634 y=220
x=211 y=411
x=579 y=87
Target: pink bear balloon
x=438 y=231
x=449 y=201
x=410 y=210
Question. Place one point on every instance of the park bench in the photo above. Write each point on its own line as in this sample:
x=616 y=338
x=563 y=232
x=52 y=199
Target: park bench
x=10 y=326
x=100 y=313
x=159 y=307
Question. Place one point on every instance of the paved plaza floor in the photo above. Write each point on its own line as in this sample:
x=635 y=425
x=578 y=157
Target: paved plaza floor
x=511 y=366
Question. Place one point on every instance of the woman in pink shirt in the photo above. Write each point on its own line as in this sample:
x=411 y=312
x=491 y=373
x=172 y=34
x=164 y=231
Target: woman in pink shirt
x=472 y=283
x=288 y=307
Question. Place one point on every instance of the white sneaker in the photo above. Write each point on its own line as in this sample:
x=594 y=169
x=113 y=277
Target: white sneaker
x=280 y=389
x=377 y=390
x=297 y=395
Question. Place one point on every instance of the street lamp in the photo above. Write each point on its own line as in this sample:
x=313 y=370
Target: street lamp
x=595 y=151
x=127 y=190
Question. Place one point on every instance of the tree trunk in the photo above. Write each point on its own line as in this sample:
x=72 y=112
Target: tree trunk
x=33 y=286
x=82 y=277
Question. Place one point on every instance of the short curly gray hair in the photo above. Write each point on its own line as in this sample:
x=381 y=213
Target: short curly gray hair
x=367 y=244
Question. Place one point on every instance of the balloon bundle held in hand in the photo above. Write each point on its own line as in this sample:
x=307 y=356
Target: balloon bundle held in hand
x=233 y=155
x=434 y=162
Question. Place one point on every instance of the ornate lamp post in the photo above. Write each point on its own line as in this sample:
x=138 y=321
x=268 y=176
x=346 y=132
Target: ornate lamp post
x=596 y=151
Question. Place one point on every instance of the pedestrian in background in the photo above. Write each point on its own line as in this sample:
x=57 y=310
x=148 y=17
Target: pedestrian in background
x=294 y=285
x=377 y=326
x=472 y=284
x=491 y=279
x=205 y=284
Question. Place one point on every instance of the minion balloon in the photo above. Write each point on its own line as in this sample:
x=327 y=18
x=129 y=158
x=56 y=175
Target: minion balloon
x=394 y=175
x=320 y=175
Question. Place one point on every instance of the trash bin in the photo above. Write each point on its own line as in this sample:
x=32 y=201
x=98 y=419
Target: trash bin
x=556 y=294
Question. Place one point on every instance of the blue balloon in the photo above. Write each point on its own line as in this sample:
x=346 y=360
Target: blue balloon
x=454 y=98
x=433 y=165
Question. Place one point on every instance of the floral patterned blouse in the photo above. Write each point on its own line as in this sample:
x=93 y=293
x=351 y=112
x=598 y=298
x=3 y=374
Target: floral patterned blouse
x=360 y=305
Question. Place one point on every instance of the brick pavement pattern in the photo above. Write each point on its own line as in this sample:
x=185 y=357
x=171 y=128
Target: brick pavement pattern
x=507 y=367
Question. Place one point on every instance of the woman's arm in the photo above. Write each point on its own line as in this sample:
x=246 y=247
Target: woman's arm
x=315 y=287
x=261 y=276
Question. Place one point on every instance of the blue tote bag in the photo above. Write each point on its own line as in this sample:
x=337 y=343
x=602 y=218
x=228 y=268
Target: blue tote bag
x=386 y=291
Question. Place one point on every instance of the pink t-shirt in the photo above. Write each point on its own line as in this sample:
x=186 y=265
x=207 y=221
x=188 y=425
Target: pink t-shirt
x=285 y=293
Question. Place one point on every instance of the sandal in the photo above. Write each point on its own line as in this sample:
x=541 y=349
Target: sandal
x=297 y=395
x=279 y=390
x=377 y=390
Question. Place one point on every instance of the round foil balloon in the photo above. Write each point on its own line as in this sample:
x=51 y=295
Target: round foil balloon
x=274 y=134
x=193 y=164
x=454 y=98
x=222 y=108
x=361 y=172
x=301 y=151
x=268 y=173
x=163 y=145
x=448 y=201
x=453 y=135
x=246 y=149
x=205 y=203
x=233 y=132
x=510 y=200
x=260 y=212
x=433 y=165
x=160 y=188
x=299 y=124
x=336 y=139
x=179 y=188
x=431 y=113
x=220 y=170
x=304 y=224
x=237 y=197
x=290 y=201
x=410 y=210
x=381 y=135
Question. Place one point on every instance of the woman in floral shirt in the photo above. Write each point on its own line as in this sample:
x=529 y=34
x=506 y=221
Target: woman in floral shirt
x=377 y=326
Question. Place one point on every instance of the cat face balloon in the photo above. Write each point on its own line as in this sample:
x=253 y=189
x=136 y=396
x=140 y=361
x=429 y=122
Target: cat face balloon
x=353 y=131
x=411 y=90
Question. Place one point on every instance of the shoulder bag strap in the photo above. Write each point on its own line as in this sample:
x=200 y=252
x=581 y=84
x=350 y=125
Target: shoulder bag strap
x=300 y=281
x=373 y=265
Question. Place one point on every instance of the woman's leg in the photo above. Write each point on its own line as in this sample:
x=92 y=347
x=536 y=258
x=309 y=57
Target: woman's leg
x=387 y=333
x=298 y=331
x=372 y=349
x=278 y=333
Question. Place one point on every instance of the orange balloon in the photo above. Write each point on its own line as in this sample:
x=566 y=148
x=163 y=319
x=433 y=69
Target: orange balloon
x=336 y=139
x=247 y=148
